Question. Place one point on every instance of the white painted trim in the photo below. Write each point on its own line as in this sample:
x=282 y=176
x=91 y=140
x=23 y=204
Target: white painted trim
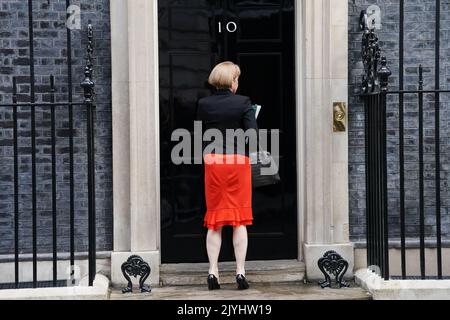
x=99 y=291
x=45 y=269
x=144 y=125
x=412 y=264
x=120 y=83
x=402 y=289
x=300 y=121
x=123 y=58
x=157 y=121
x=300 y=124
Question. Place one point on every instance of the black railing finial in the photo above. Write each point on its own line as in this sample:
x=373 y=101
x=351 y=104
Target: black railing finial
x=421 y=77
x=384 y=73
x=364 y=24
x=371 y=54
x=375 y=79
x=88 y=84
x=14 y=96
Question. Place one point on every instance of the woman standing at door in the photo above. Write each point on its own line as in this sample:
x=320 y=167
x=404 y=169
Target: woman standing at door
x=228 y=179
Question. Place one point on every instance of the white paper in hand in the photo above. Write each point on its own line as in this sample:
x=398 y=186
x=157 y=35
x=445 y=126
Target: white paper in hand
x=257 y=108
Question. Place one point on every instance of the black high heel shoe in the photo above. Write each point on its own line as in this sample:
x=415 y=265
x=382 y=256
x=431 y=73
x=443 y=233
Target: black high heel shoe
x=242 y=282
x=213 y=283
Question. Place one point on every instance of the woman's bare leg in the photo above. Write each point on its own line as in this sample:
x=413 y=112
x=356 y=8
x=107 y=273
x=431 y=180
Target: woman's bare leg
x=214 y=244
x=240 y=242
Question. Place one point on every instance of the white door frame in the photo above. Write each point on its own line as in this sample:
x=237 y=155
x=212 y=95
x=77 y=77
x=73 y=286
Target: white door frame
x=321 y=78
x=300 y=100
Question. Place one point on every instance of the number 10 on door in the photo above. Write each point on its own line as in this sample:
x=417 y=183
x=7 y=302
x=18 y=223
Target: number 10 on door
x=231 y=27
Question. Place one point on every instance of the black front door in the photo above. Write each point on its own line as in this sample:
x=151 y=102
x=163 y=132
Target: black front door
x=194 y=36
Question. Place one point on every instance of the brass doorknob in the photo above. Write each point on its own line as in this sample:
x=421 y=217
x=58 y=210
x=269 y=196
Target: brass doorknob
x=339 y=117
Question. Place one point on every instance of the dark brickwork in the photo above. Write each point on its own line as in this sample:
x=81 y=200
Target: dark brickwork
x=51 y=58
x=419 y=49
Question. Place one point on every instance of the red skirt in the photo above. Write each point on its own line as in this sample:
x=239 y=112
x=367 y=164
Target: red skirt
x=228 y=185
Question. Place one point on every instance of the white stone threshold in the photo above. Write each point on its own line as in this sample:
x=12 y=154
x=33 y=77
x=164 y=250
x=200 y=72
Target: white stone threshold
x=100 y=291
x=402 y=289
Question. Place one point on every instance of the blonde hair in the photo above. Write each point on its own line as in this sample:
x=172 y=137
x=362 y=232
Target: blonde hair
x=224 y=74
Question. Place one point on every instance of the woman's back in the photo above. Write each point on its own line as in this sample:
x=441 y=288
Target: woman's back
x=227 y=111
x=228 y=184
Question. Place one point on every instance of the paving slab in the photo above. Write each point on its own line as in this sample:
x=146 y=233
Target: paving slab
x=259 y=291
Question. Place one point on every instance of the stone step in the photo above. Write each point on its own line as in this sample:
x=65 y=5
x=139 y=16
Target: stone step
x=258 y=292
x=281 y=271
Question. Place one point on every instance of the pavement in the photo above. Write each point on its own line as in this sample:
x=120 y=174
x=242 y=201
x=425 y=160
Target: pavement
x=261 y=291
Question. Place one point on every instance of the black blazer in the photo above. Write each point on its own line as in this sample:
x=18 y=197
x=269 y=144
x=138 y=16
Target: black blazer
x=225 y=110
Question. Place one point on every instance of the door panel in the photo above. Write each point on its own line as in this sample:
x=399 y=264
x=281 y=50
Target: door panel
x=186 y=58
x=263 y=45
x=259 y=20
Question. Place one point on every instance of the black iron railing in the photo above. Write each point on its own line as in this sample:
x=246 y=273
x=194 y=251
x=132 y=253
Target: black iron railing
x=71 y=107
x=375 y=90
x=375 y=96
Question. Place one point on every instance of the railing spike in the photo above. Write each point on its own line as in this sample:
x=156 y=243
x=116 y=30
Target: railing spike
x=384 y=73
x=88 y=84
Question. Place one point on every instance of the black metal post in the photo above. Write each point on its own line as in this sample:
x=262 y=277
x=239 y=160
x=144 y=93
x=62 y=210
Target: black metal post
x=71 y=149
x=438 y=140
x=370 y=168
x=16 y=186
x=375 y=158
x=368 y=180
x=88 y=86
x=375 y=86
x=385 y=219
x=384 y=73
x=421 y=177
x=377 y=185
x=382 y=180
x=402 y=140
x=33 y=140
x=372 y=177
x=54 y=175
x=383 y=185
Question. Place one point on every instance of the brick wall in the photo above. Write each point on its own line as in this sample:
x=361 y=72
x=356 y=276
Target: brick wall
x=419 y=49
x=50 y=58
